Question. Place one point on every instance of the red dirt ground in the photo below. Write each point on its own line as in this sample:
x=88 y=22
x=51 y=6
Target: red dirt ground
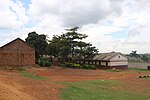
x=15 y=87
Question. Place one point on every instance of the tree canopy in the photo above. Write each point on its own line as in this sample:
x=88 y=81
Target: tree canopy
x=70 y=45
x=67 y=45
x=39 y=42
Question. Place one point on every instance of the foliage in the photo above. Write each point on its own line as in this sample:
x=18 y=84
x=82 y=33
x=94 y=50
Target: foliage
x=145 y=58
x=32 y=76
x=70 y=65
x=74 y=65
x=39 y=42
x=139 y=70
x=44 y=62
x=134 y=54
x=101 y=90
x=69 y=45
x=89 y=66
x=13 y=68
x=134 y=57
x=116 y=70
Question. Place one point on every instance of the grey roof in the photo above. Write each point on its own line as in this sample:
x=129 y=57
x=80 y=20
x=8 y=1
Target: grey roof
x=105 y=56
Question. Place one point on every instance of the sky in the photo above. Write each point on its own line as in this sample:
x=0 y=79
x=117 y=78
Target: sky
x=111 y=25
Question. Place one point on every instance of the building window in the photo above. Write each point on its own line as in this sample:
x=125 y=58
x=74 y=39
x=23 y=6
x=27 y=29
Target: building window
x=118 y=56
x=106 y=63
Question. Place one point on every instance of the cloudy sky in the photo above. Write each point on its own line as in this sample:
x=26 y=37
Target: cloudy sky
x=112 y=25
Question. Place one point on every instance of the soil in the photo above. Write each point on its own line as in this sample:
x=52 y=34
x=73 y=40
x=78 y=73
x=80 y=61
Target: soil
x=15 y=87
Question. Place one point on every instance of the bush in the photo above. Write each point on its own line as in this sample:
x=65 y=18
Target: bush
x=62 y=64
x=70 y=65
x=74 y=65
x=89 y=66
x=44 y=62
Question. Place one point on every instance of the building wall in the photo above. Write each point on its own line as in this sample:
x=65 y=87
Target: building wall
x=118 y=63
x=103 y=63
x=119 y=57
x=17 y=53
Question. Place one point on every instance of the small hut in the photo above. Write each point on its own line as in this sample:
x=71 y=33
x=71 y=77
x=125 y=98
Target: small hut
x=17 y=53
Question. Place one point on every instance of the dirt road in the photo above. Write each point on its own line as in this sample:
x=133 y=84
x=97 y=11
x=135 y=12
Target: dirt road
x=15 y=87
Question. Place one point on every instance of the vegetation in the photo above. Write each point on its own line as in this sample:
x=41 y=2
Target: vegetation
x=74 y=65
x=86 y=66
x=32 y=76
x=139 y=70
x=100 y=90
x=70 y=65
x=44 y=62
x=68 y=45
x=115 y=70
x=134 y=57
x=39 y=42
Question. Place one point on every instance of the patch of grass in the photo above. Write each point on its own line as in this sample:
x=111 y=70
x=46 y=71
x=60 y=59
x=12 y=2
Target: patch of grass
x=21 y=69
x=139 y=70
x=32 y=76
x=38 y=66
x=8 y=68
x=116 y=70
x=99 y=90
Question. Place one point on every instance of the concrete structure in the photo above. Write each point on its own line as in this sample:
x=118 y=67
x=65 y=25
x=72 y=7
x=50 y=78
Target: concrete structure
x=111 y=60
x=17 y=53
x=107 y=61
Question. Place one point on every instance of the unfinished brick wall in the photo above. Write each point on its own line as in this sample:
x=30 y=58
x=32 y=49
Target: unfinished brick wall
x=17 y=53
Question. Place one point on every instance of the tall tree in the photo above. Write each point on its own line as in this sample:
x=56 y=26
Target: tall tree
x=134 y=54
x=85 y=50
x=39 y=42
x=73 y=36
x=70 y=44
x=145 y=58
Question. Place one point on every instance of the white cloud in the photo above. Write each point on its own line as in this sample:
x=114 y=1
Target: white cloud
x=13 y=15
x=100 y=19
x=75 y=12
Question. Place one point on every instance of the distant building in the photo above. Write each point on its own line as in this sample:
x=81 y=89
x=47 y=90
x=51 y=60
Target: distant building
x=111 y=60
x=107 y=61
x=17 y=53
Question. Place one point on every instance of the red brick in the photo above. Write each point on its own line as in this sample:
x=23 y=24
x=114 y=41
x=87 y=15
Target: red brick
x=17 y=53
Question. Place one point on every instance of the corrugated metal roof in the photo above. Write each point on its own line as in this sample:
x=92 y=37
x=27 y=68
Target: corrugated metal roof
x=105 y=56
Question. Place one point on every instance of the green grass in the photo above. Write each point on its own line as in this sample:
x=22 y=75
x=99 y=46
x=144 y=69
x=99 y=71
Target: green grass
x=139 y=70
x=116 y=70
x=32 y=76
x=100 y=90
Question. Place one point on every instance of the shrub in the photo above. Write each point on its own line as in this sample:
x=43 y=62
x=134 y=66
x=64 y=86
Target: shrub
x=44 y=62
x=62 y=64
x=65 y=64
x=70 y=65
x=89 y=66
x=76 y=66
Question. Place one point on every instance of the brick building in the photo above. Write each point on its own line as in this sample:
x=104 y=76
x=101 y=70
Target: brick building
x=17 y=53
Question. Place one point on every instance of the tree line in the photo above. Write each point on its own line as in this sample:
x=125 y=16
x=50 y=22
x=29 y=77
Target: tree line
x=135 y=57
x=68 y=45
